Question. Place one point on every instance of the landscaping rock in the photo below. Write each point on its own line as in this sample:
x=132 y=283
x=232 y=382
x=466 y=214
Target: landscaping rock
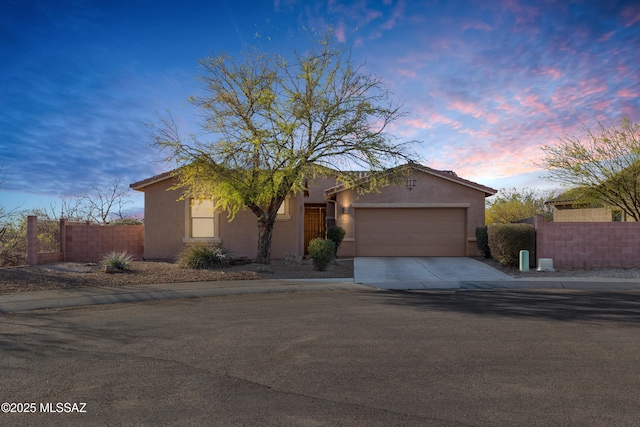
x=292 y=259
x=111 y=270
x=242 y=260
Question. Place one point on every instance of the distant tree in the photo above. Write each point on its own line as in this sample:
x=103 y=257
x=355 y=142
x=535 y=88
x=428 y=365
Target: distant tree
x=513 y=205
x=270 y=123
x=13 y=242
x=603 y=163
x=100 y=205
x=6 y=214
x=104 y=204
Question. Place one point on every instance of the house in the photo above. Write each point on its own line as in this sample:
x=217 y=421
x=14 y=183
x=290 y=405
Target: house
x=570 y=206
x=433 y=213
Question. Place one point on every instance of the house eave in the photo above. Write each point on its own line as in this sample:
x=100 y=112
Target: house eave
x=141 y=185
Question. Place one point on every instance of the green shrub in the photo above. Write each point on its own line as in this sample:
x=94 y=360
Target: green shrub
x=322 y=251
x=120 y=260
x=507 y=240
x=126 y=221
x=336 y=235
x=203 y=257
x=482 y=240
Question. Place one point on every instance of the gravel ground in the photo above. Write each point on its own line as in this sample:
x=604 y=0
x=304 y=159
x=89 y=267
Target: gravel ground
x=75 y=275
x=609 y=273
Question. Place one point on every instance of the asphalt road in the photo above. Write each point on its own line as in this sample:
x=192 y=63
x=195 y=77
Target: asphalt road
x=437 y=358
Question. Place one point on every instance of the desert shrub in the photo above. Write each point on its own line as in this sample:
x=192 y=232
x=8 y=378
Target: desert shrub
x=507 y=240
x=13 y=246
x=336 y=235
x=482 y=240
x=13 y=240
x=117 y=259
x=322 y=251
x=126 y=221
x=203 y=257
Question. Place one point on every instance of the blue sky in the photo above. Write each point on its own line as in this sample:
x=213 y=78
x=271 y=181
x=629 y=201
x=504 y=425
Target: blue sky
x=485 y=84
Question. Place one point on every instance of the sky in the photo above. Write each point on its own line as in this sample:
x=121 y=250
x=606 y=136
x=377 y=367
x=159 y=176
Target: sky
x=484 y=84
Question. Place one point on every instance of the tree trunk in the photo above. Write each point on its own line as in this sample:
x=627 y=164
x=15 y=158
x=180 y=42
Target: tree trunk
x=265 y=231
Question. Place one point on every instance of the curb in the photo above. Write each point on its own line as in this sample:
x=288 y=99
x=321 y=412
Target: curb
x=599 y=284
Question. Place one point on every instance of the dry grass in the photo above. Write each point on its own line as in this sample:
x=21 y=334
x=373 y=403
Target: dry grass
x=74 y=275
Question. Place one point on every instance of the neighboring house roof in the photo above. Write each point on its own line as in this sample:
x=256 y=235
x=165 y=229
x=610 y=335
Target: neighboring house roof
x=447 y=174
x=573 y=197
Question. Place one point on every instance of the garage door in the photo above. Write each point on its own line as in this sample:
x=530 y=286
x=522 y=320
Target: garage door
x=410 y=232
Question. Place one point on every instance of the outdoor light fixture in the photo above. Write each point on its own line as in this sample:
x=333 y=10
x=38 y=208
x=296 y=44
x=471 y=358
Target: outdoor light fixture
x=345 y=210
x=410 y=183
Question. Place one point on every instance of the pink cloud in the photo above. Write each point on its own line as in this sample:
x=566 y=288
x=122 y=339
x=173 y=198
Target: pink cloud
x=340 y=34
x=466 y=108
x=601 y=105
x=475 y=25
x=431 y=121
x=356 y=12
x=440 y=119
x=524 y=14
x=406 y=73
x=553 y=72
x=631 y=15
x=417 y=123
x=626 y=93
x=533 y=103
x=493 y=118
x=591 y=86
x=396 y=15
x=606 y=37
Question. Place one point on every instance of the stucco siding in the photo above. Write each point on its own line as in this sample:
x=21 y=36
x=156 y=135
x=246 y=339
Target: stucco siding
x=167 y=218
x=164 y=221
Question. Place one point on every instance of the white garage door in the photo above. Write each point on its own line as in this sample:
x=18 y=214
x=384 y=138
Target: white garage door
x=410 y=232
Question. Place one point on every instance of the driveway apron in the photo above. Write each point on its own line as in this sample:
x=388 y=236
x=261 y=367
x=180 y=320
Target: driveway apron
x=404 y=273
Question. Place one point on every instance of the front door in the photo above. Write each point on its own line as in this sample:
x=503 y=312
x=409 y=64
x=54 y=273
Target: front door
x=314 y=223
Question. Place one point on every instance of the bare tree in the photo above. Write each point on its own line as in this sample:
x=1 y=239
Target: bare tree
x=103 y=205
x=100 y=205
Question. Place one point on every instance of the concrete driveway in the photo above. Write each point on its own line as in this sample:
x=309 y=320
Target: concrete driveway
x=403 y=273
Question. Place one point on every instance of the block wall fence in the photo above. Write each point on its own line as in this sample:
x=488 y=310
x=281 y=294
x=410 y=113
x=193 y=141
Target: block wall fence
x=569 y=244
x=588 y=244
x=86 y=242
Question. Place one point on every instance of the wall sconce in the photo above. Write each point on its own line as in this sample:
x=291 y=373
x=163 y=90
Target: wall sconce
x=345 y=210
x=410 y=183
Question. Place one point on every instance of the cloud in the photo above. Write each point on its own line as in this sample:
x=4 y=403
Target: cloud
x=340 y=34
x=74 y=128
x=631 y=15
x=628 y=93
x=397 y=14
x=468 y=108
x=606 y=36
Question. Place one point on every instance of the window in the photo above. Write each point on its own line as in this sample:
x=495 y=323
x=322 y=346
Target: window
x=201 y=222
x=616 y=216
x=283 y=211
x=202 y=218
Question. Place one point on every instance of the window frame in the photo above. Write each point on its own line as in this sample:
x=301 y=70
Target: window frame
x=188 y=226
x=285 y=207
